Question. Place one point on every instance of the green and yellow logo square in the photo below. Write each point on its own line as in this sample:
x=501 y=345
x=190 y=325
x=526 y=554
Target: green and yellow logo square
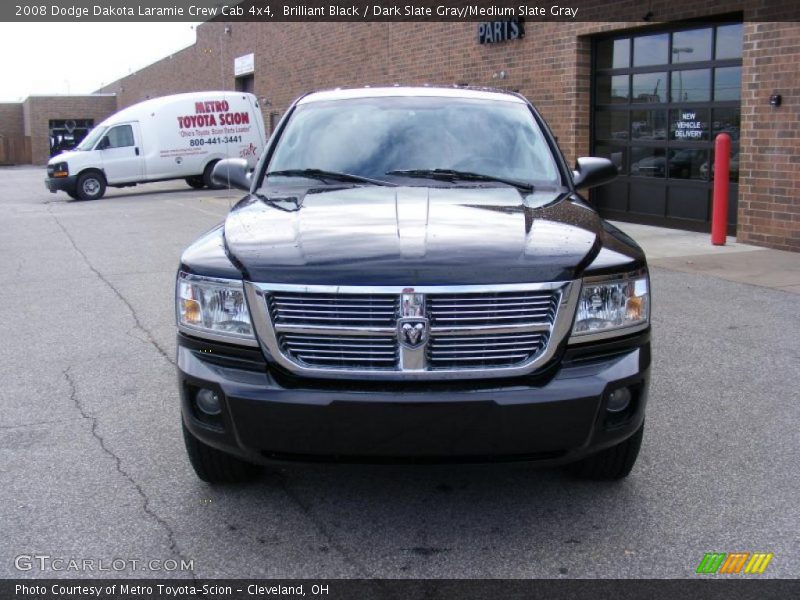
x=736 y=562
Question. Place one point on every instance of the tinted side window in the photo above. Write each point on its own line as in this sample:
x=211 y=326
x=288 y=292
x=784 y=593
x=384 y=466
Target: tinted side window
x=120 y=136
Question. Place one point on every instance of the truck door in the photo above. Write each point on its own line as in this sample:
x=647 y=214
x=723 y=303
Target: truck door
x=121 y=152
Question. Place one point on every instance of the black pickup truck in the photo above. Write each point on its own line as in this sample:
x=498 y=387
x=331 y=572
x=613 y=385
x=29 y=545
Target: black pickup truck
x=413 y=276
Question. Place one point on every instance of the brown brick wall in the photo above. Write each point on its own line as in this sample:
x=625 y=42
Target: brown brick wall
x=769 y=159
x=551 y=66
x=11 y=120
x=13 y=147
x=40 y=109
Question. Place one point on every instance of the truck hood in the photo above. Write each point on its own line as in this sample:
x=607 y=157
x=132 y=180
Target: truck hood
x=66 y=157
x=413 y=236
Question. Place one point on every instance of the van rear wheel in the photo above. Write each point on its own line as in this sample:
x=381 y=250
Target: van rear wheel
x=196 y=182
x=207 y=177
x=91 y=186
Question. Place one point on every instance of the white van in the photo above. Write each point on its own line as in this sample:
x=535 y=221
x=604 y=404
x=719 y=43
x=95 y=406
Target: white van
x=173 y=137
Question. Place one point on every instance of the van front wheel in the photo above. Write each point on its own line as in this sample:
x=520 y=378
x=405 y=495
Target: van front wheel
x=91 y=186
x=207 y=176
x=196 y=182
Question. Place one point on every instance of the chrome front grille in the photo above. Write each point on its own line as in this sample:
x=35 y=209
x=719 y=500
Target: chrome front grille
x=341 y=352
x=412 y=333
x=484 y=350
x=361 y=310
x=503 y=308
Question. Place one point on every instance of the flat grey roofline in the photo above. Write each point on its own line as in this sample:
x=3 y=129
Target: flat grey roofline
x=70 y=95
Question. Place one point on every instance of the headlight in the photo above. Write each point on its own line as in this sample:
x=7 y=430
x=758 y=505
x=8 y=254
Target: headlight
x=611 y=306
x=213 y=308
x=60 y=170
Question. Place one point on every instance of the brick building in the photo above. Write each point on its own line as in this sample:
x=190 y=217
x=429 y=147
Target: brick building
x=649 y=95
x=33 y=130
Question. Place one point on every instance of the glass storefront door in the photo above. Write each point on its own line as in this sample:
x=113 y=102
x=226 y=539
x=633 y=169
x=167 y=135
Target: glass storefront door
x=659 y=100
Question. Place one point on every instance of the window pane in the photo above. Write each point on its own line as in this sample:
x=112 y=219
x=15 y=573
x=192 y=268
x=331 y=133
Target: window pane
x=689 y=46
x=688 y=124
x=120 y=137
x=650 y=87
x=612 y=90
x=616 y=154
x=611 y=125
x=650 y=50
x=649 y=124
x=729 y=41
x=613 y=54
x=726 y=120
x=648 y=162
x=728 y=83
x=688 y=163
x=691 y=86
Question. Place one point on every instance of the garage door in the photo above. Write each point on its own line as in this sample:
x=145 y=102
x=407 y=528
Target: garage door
x=659 y=99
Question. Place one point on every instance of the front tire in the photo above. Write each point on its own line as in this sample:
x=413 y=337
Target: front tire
x=207 y=181
x=612 y=463
x=91 y=186
x=214 y=466
x=196 y=182
x=73 y=194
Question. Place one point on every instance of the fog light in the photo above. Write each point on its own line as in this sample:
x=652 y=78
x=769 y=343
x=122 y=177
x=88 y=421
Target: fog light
x=618 y=400
x=208 y=402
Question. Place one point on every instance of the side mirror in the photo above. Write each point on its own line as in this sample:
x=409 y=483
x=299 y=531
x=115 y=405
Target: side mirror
x=232 y=172
x=104 y=143
x=590 y=172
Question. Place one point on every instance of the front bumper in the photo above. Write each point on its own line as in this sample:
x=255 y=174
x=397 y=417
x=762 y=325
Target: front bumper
x=555 y=418
x=66 y=184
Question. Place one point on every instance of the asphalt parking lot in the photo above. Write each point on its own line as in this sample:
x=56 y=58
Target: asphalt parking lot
x=92 y=463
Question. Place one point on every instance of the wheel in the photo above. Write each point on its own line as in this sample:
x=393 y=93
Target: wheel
x=73 y=194
x=612 y=463
x=196 y=182
x=207 y=177
x=214 y=466
x=91 y=186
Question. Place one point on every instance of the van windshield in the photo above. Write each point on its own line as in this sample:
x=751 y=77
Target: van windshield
x=92 y=138
x=381 y=137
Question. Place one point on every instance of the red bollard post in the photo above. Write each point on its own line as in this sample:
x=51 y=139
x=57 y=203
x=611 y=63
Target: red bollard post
x=719 y=209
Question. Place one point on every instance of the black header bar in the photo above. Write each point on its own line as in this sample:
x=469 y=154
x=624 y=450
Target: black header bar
x=531 y=11
x=720 y=588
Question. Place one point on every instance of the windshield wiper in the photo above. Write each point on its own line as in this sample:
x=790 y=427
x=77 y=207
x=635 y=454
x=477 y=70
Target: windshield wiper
x=323 y=175
x=453 y=175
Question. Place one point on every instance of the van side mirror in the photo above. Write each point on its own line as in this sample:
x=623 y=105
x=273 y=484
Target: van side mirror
x=233 y=172
x=591 y=171
x=104 y=143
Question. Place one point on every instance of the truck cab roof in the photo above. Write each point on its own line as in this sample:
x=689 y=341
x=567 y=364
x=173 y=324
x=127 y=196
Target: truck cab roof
x=412 y=91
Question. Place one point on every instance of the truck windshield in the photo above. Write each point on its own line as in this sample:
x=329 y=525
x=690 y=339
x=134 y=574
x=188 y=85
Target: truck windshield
x=380 y=137
x=91 y=138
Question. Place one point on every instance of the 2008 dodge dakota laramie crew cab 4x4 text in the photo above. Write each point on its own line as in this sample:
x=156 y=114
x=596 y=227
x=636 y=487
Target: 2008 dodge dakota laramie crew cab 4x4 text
x=413 y=276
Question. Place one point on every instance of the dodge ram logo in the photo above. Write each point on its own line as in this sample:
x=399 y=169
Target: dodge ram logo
x=412 y=332
x=412 y=327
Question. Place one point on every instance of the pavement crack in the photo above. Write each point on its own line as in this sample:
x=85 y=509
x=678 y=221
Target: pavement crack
x=35 y=424
x=173 y=544
x=323 y=530
x=138 y=323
